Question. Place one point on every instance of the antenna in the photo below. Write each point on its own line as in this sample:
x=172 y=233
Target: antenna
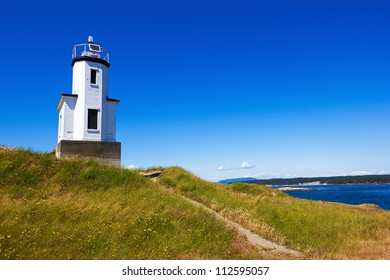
x=93 y=47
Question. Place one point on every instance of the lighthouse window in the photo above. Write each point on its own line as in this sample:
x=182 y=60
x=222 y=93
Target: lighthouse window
x=94 y=48
x=92 y=118
x=93 y=76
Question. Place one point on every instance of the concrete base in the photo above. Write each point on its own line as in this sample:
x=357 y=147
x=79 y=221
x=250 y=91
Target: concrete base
x=105 y=151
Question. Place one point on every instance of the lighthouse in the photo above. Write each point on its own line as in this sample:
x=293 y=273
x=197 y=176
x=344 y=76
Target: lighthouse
x=87 y=116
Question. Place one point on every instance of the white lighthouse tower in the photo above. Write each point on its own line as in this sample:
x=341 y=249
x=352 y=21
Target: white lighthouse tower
x=87 y=117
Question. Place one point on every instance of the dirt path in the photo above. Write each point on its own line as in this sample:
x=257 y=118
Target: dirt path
x=252 y=237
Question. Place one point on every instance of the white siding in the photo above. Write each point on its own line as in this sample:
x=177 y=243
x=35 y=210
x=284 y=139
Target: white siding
x=66 y=117
x=104 y=79
x=93 y=99
x=70 y=104
x=61 y=125
x=73 y=125
x=78 y=88
x=109 y=121
x=90 y=96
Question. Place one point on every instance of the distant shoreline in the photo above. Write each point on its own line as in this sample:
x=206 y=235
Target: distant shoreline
x=330 y=185
x=290 y=189
x=315 y=181
x=324 y=185
x=378 y=194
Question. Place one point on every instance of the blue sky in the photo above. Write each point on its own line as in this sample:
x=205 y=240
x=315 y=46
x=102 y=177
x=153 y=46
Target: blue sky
x=222 y=88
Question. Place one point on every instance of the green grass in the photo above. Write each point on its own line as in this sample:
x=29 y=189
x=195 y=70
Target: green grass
x=83 y=209
x=79 y=209
x=321 y=230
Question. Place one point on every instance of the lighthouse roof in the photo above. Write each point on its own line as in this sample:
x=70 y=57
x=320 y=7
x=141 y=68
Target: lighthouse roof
x=63 y=97
x=90 y=52
x=112 y=100
x=91 y=59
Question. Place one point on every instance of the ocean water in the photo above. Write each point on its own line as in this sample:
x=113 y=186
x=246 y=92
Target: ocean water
x=350 y=194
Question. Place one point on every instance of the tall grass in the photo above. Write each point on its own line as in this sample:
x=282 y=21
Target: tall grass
x=83 y=209
x=322 y=230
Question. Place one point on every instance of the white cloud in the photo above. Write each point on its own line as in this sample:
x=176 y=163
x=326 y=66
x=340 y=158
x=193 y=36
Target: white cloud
x=356 y=173
x=247 y=165
x=351 y=173
x=222 y=168
x=132 y=166
x=244 y=165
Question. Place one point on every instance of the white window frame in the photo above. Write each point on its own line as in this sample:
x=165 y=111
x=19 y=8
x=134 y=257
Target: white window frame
x=97 y=129
x=90 y=76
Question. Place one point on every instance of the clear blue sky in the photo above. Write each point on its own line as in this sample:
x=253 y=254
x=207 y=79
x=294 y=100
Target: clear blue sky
x=282 y=88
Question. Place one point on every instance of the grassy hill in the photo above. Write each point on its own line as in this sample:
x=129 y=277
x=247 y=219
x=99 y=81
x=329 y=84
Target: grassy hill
x=83 y=209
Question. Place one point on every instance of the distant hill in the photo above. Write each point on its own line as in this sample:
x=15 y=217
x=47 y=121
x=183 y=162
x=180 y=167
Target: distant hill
x=235 y=180
x=83 y=209
x=337 y=180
